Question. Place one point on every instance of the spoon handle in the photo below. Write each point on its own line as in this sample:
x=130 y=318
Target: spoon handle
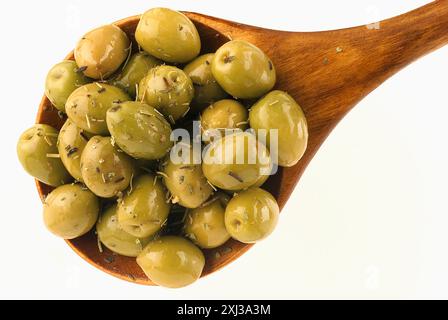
x=338 y=68
x=405 y=38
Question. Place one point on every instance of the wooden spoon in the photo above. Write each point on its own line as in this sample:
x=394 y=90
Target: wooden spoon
x=328 y=73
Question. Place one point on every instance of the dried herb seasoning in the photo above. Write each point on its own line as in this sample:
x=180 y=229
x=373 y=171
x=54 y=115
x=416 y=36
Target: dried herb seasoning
x=109 y=259
x=83 y=135
x=115 y=109
x=71 y=151
x=81 y=69
x=229 y=59
x=118 y=180
x=235 y=176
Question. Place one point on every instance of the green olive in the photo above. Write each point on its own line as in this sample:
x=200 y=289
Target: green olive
x=101 y=51
x=112 y=235
x=168 y=89
x=70 y=211
x=205 y=225
x=251 y=215
x=139 y=130
x=61 y=81
x=206 y=89
x=38 y=153
x=87 y=106
x=135 y=70
x=278 y=110
x=144 y=210
x=105 y=169
x=223 y=114
x=172 y=262
x=185 y=179
x=71 y=143
x=243 y=70
x=168 y=35
x=236 y=161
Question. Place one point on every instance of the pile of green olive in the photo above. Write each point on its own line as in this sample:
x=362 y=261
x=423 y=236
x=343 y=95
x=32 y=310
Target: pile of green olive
x=110 y=163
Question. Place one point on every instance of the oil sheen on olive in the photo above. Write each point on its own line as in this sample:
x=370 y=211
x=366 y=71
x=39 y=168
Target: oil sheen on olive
x=243 y=70
x=205 y=225
x=144 y=209
x=112 y=235
x=236 y=161
x=206 y=88
x=172 y=262
x=71 y=143
x=168 y=89
x=70 y=211
x=101 y=51
x=251 y=215
x=61 y=81
x=278 y=110
x=38 y=153
x=105 y=169
x=139 y=130
x=223 y=114
x=135 y=70
x=87 y=106
x=168 y=35
x=185 y=179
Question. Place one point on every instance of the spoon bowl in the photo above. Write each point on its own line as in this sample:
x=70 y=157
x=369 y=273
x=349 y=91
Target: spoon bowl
x=327 y=73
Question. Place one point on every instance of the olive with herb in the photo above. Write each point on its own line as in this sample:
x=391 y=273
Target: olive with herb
x=135 y=70
x=206 y=88
x=172 y=262
x=112 y=235
x=139 y=130
x=184 y=178
x=168 y=89
x=87 y=106
x=70 y=211
x=144 y=209
x=278 y=110
x=223 y=114
x=62 y=79
x=38 y=153
x=236 y=161
x=168 y=35
x=205 y=225
x=251 y=215
x=105 y=169
x=101 y=51
x=71 y=143
x=147 y=189
x=243 y=70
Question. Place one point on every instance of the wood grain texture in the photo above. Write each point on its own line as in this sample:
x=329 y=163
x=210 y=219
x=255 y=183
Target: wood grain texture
x=328 y=73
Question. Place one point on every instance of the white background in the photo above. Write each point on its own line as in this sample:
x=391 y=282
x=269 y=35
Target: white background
x=368 y=219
